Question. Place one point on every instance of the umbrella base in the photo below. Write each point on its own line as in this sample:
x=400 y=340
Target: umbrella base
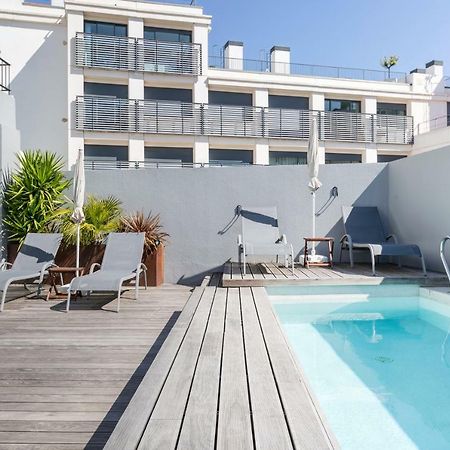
x=314 y=259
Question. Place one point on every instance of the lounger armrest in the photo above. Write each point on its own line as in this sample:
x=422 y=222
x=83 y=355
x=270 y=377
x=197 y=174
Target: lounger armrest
x=282 y=240
x=393 y=237
x=142 y=267
x=4 y=264
x=347 y=239
x=93 y=266
x=44 y=270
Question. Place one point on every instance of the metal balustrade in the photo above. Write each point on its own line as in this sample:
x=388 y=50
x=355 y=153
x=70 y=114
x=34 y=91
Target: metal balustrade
x=125 y=53
x=5 y=68
x=98 y=113
x=310 y=70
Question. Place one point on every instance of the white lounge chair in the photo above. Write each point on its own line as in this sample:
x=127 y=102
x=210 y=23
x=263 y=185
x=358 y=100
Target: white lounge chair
x=261 y=236
x=35 y=256
x=364 y=230
x=121 y=263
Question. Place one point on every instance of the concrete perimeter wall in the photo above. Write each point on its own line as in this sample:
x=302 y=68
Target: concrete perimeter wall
x=197 y=205
x=419 y=201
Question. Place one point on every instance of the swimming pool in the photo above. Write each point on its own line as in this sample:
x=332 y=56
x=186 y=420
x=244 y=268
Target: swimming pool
x=377 y=359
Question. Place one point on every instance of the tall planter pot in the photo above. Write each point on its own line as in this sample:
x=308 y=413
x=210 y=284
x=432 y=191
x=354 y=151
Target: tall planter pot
x=155 y=267
x=11 y=251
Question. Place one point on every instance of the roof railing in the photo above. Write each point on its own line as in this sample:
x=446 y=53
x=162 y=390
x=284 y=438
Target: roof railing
x=5 y=77
x=433 y=124
x=255 y=65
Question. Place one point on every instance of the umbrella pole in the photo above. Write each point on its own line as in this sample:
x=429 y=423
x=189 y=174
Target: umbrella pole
x=313 y=251
x=78 y=249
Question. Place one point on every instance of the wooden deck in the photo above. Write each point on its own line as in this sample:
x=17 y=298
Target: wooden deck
x=224 y=379
x=65 y=379
x=273 y=274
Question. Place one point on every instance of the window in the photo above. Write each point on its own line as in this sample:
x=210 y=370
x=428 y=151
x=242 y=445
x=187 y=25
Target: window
x=230 y=157
x=168 y=94
x=395 y=109
x=287 y=158
x=168 y=154
x=105 y=153
x=110 y=90
x=166 y=34
x=342 y=105
x=230 y=98
x=342 y=158
x=288 y=102
x=105 y=28
x=389 y=158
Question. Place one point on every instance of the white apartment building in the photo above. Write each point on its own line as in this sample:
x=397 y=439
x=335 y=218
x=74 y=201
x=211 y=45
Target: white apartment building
x=131 y=82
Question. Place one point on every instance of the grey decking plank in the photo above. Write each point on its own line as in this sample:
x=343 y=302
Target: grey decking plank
x=172 y=401
x=164 y=434
x=267 y=271
x=236 y=273
x=129 y=429
x=227 y=271
x=234 y=430
x=265 y=401
x=199 y=425
x=305 y=425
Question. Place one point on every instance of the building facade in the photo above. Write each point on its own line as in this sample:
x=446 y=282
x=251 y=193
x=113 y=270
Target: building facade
x=132 y=83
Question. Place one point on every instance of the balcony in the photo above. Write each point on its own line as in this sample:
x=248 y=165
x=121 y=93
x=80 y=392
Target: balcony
x=309 y=70
x=95 y=113
x=4 y=76
x=141 y=55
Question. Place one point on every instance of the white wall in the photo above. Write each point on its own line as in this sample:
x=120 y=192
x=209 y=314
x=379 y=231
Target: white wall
x=9 y=135
x=419 y=209
x=37 y=54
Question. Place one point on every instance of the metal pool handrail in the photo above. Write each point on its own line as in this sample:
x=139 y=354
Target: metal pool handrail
x=444 y=261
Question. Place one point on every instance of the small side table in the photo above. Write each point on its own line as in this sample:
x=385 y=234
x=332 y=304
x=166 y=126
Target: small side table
x=330 y=242
x=53 y=273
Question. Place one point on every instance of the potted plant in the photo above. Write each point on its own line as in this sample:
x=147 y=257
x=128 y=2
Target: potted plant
x=155 y=238
x=102 y=216
x=32 y=196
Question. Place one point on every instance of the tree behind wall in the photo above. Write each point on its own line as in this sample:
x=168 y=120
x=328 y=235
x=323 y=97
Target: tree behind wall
x=33 y=194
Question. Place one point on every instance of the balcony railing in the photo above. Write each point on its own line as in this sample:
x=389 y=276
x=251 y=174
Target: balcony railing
x=4 y=75
x=97 y=113
x=125 y=53
x=259 y=65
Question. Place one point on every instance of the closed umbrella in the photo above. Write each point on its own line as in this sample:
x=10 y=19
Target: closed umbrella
x=313 y=166
x=78 y=199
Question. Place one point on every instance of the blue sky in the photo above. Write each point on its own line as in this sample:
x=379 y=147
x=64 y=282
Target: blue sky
x=354 y=33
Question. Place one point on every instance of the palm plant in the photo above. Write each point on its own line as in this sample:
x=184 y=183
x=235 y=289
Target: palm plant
x=150 y=225
x=102 y=216
x=33 y=194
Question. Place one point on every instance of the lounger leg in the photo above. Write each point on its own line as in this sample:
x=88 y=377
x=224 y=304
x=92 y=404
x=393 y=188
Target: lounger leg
x=136 y=289
x=3 y=299
x=145 y=279
x=350 y=254
x=244 y=270
x=424 y=269
x=68 y=300
x=372 y=257
x=118 y=299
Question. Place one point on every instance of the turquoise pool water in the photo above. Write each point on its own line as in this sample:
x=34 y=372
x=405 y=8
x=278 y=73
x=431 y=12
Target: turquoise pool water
x=377 y=360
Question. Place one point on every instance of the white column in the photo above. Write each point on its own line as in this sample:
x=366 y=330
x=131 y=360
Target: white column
x=317 y=101
x=136 y=146
x=369 y=105
x=200 y=91
x=75 y=86
x=261 y=150
x=370 y=154
x=321 y=152
x=201 y=150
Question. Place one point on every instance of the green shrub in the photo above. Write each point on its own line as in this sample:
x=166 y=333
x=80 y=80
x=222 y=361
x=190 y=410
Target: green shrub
x=33 y=194
x=102 y=216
